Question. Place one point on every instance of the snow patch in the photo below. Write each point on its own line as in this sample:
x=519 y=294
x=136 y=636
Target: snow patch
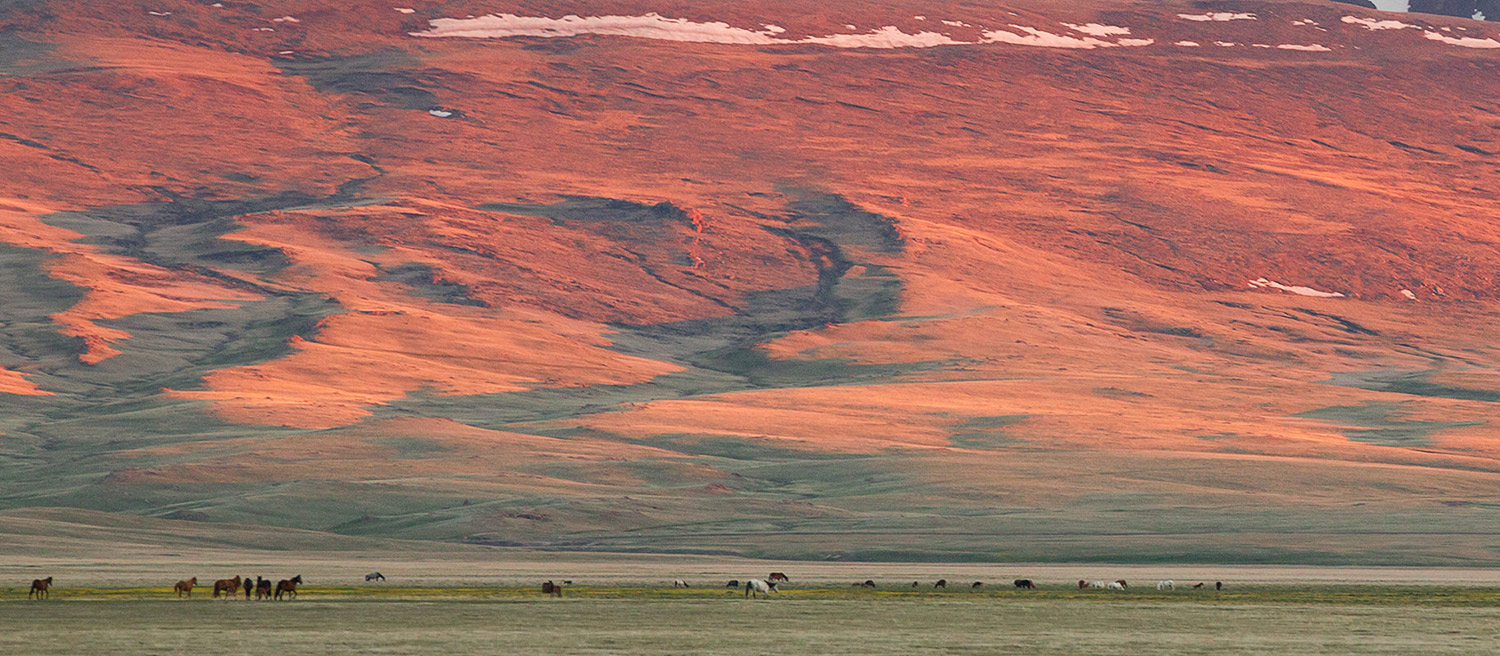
x=1372 y=24
x=886 y=37
x=1224 y=44
x=1305 y=48
x=406 y=10
x=285 y=19
x=950 y=23
x=1216 y=17
x=160 y=13
x=1462 y=41
x=440 y=113
x=1305 y=21
x=1408 y=294
x=1260 y=283
x=1098 y=29
x=655 y=26
x=1187 y=44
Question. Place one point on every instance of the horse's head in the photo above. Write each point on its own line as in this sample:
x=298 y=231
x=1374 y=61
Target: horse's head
x=772 y=585
x=297 y=579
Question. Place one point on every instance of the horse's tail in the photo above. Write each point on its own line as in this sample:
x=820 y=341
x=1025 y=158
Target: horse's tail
x=747 y=589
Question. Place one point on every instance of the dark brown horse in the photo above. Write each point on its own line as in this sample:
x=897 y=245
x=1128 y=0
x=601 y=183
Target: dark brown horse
x=778 y=577
x=977 y=584
x=552 y=589
x=1026 y=584
x=185 y=587
x=227 y=586
x=942 y=583
x=288 y=587
x=262 y=588
x=867 y=584
x=42 y=588
x=1082 y=584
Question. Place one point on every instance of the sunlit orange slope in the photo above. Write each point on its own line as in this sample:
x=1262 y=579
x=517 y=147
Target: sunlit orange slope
x=615 y=274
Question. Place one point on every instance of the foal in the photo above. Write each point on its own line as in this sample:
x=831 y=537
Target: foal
x=185 y=587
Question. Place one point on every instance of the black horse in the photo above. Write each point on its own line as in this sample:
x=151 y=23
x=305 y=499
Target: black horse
x=1025 y=584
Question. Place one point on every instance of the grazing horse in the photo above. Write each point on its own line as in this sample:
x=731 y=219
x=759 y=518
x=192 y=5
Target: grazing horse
x=977 y=584
x=288 y=587
x=1198 y=585
x=1098 y=585
x=1115 y=585
x=227 y=586
x=185 y=587
x=1218 y=585
x=262 y=588
x=1082 y=584
x=763 y=588
x=1165 y=585
x=1026 y=584
x=778 y=577
x=733 y=583
x=942 y=583
x=867 y=584
x=914 y=584
x=1122 y=583
x=42 y=588
x=679 y=583
x=374 y=576
x=553 y=589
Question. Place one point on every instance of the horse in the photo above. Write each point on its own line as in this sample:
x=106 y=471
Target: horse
x=246 y=585
x=1026 y=584
x=1082 y=584
x=1218 y=585
x=778 y=577
x=913 y=584
x=1098 y=585
x=679 y=583
x=42 y=588
x=942 y=583
x=553 y=589
x=1198 y=585
x=867 y=584
x=1122 y=583
x=185 y=587
x=1165 y=585
x=763 y=588
x=262 y=588
x=1115 y=585
x=227 y=586
x=977 y=585
x=374 y=576
x=733 y=583
x=288 y=587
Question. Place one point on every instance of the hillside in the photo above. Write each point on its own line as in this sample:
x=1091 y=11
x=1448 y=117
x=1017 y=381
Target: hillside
x=1103 y=280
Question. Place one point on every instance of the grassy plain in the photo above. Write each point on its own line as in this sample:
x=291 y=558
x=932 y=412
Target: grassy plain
x=1286 y=619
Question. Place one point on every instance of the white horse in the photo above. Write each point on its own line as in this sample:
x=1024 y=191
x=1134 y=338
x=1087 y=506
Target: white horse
x=1097 y=585
x=1165 y=585
x=754 y=586
x=1115 y=585
x=679 y=583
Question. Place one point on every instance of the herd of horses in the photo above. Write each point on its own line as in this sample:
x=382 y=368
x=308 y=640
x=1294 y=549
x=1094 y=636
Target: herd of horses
x=261 y=588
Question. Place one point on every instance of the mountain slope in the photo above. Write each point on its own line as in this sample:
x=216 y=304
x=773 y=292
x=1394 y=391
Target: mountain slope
x=1201 y=281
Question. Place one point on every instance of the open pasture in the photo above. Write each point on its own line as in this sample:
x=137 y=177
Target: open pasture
x=820 y=620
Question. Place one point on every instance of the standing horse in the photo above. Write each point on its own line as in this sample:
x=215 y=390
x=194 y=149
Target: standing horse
x=42 y=588
x=942 y=583
x=1082 y=584
x=869 y=583
x=679 y=583
x=288 y=587
x=977 y=585
x=1198 y=585
x=1122 y=583
x=757 y=586
x=1026 y=584
x=733 y=583
x=778 y=577
x=227 y=586
x=246 y=586
x=185 y=587
x=262 y=588
x=1165 y=585
x=553 y=589
x=374 y=576
x=1114 y=585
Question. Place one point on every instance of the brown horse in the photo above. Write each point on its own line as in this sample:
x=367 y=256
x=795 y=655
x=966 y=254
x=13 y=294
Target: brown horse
x=1026 y=584
x=778 y=577
x=977 y=584
x=867 y=584
x=942 y=583
x=553 y=589
x=42 y=588
x=288 y=587
x=1082 y=584
x=227 y=586
x=262 y=588
x=185 y=587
